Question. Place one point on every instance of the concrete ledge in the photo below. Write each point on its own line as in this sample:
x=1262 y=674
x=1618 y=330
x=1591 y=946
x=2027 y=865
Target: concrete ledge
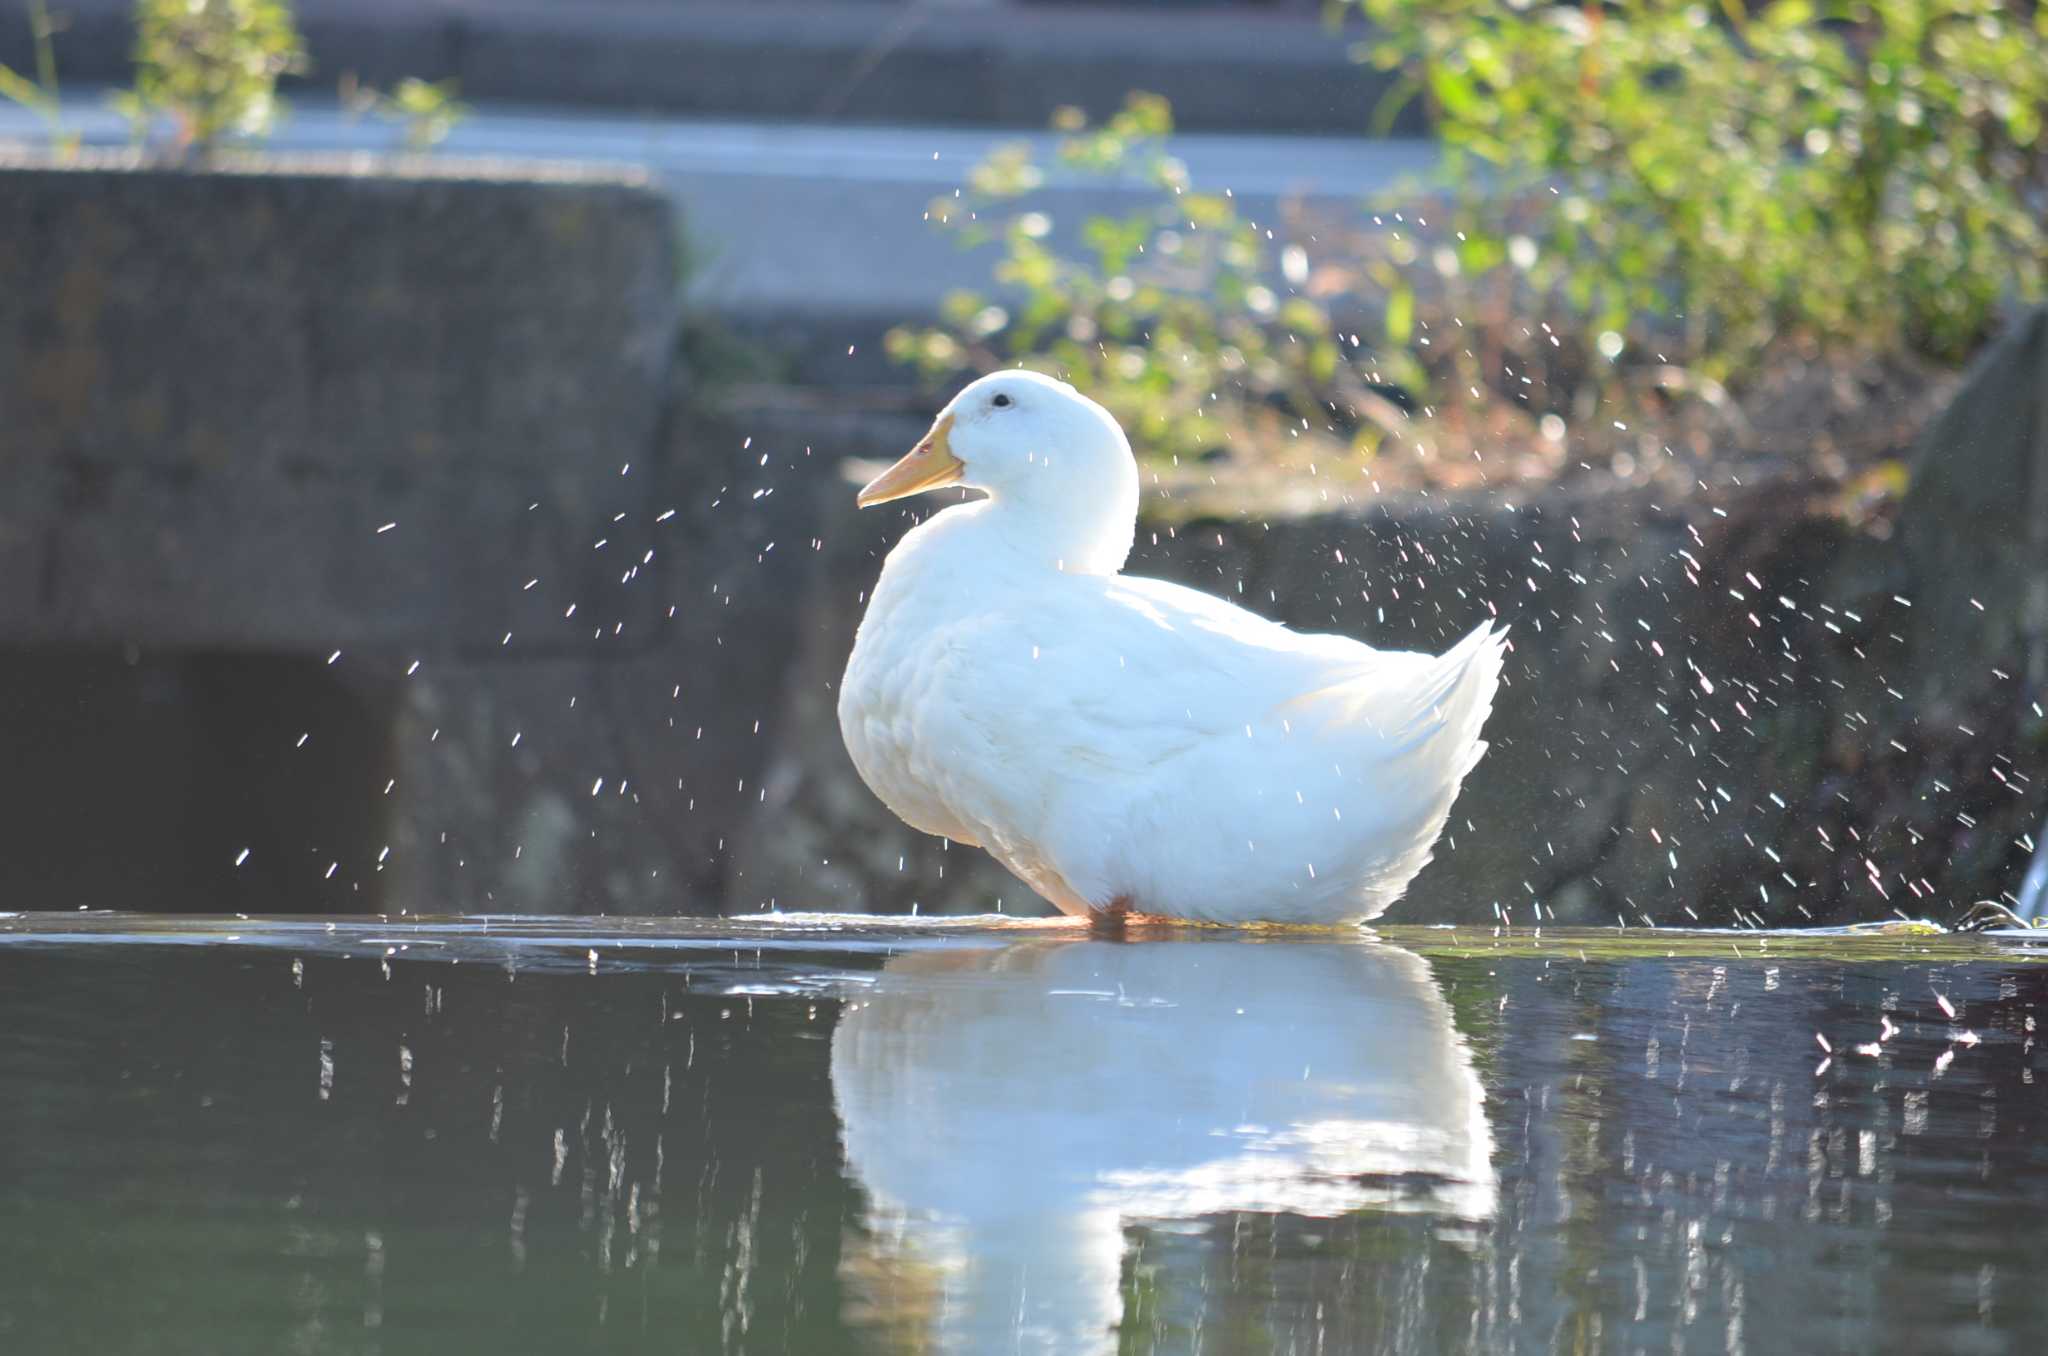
x=994 y=64
x=216 y=388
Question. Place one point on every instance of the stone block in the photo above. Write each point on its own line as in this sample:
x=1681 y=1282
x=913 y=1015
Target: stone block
x=217 y=388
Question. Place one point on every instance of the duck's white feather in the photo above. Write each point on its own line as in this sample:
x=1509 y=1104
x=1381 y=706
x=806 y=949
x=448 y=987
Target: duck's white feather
x=1124 y=742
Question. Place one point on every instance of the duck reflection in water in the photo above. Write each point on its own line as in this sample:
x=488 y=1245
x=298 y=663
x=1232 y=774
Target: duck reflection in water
x=1011 y=1110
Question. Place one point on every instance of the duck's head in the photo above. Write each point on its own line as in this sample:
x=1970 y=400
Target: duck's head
x=1053 y=460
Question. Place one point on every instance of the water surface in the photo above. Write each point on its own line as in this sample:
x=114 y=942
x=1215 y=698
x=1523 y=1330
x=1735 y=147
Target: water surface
x=236 y=1135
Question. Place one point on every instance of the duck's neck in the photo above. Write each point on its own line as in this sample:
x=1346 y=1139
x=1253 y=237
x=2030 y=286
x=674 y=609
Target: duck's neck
x=1072 y=534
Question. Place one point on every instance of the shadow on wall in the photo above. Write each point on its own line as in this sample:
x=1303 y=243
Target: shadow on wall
x=278 y=438
x=194 y=782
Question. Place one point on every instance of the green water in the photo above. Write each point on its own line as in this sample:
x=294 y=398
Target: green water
x=228 y=1135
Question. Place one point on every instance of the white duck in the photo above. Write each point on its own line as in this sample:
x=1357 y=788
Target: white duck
x=1126 y=745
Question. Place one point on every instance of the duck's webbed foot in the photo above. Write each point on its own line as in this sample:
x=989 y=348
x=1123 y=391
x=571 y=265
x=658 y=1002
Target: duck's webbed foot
x=1121 y=914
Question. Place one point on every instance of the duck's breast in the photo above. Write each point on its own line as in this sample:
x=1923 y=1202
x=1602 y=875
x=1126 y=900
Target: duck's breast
x=889 y=715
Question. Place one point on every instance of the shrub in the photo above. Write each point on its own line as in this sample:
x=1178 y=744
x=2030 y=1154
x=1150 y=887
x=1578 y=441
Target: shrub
x=212 y=66
x=41 y=96
x=1869 y=172
x=426 y=111
x=1645 y=203
x=1160 y=314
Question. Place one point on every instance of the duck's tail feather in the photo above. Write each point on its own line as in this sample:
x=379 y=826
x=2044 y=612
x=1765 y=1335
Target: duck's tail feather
x=1423 y=699
x=1429 y=746
x=1454 y=700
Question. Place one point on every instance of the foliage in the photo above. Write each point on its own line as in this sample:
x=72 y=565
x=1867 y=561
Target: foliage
x=1863 y=172
x=41 y=96
x=426 y=110
x=212 y=66
x=1651 y=210
x=429 y=110
x=1157 y=314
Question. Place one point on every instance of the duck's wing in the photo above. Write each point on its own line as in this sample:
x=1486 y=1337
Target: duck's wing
x=1126 y=673
x=1230 y=666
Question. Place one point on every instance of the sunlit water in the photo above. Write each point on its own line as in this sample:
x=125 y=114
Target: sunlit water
x=628 y=1135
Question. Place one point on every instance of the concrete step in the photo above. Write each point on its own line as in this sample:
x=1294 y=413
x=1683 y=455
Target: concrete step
x=814 y=236
x=989 y=64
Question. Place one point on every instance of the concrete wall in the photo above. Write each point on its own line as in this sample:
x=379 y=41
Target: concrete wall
x=219 y=387
x=215 y=390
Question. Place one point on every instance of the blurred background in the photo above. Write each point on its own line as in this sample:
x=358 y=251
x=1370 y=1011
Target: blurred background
x=428 y=429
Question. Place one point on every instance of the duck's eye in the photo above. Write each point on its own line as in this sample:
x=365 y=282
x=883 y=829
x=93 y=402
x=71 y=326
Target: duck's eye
x=1000 y=401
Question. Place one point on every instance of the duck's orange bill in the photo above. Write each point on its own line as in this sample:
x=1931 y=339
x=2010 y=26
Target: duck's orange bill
x=925 y=467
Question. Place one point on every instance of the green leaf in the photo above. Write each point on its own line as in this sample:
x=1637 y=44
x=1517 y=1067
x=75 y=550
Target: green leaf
x=1400 y=316
x=1454 y=93
x=21 y=90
